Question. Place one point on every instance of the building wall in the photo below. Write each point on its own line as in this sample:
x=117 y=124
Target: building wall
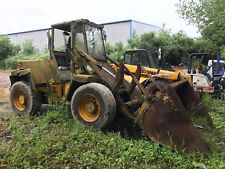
x=39 y=38
x=116 y=32
x=141 y=28
x=122 y=31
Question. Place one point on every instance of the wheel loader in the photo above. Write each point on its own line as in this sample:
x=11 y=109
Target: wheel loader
x=79 y=73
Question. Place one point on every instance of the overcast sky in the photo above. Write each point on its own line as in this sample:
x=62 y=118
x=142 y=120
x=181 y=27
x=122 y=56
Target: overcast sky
x=24 y=15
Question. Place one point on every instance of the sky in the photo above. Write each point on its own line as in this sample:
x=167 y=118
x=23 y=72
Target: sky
x=25 y=15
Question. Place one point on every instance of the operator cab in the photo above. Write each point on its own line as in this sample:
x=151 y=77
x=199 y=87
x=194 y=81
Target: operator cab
x=64 y=37
x=197 y=63
x=83 y=34
x=139 y=56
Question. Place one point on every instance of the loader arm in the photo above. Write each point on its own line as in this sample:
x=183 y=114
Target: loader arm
x=174 y=76
x=163 y=107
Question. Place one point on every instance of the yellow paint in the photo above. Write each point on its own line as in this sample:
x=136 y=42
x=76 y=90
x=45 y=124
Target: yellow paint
x=172 y=75
x=132 y=68
x=89 y=108
x=66 y=88
x=129 y=78
x=57 y=88
x=184 y=75
x=19 y=100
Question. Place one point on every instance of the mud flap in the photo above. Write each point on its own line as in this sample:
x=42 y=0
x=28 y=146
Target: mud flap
x=167 y=121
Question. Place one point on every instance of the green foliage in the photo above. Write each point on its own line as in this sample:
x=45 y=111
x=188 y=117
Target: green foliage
x=115 y=52
x=175 y=47
x=27 y=48
x=151 y=43
x=55 y=140
x=208 y=16
x=10 y=54
x=134 y=42
x=6 y=49
x=207 y=101
x=15 y=53
x=203 y=45
x=223 y=53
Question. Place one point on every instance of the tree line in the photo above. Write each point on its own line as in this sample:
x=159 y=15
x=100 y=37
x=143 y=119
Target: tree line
x=175 y=47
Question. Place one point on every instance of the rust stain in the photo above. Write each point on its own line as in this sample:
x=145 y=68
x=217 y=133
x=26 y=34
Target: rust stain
x=4 y=92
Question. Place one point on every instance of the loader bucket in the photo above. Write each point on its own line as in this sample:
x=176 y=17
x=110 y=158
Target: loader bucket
x=168 y=119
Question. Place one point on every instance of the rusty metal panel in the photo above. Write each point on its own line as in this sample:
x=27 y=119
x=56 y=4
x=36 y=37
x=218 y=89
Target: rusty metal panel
x=42 y=71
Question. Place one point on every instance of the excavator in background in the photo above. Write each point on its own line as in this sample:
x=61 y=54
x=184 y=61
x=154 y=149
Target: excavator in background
x=206 y=72
x=79 y=73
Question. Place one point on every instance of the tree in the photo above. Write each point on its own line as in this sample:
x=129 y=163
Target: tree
x=116 y=51
x=134 y=41
x=7 y=48
x=175 y=47
x=27 y=48
x=208 y=16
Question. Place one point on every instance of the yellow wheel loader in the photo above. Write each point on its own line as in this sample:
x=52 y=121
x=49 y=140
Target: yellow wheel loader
x=79 y=72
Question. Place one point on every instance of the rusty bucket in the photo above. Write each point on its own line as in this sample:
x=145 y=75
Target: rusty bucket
x=174 y=115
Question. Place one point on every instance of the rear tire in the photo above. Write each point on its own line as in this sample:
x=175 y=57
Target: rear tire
x=23 y=99
x=93 y=105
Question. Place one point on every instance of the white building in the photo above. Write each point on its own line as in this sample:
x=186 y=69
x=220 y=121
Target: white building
x=119 y=31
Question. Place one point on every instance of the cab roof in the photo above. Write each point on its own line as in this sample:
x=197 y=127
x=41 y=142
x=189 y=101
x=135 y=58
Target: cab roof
x=66 y=25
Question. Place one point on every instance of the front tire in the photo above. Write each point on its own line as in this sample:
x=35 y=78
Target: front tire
x=23 y=99
x=93 y=105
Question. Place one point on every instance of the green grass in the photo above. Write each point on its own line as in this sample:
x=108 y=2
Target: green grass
x=54 y=140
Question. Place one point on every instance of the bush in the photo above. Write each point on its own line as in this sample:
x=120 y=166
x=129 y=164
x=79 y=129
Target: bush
x=13 y=53
x=6 y=49
x=116 y=51
x=27 y=48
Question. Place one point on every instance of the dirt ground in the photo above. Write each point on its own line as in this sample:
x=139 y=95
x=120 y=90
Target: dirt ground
x=4 y=92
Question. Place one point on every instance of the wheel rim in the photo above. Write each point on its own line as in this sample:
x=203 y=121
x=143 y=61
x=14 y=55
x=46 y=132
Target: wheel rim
x=19 y=100
x=89 y=108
